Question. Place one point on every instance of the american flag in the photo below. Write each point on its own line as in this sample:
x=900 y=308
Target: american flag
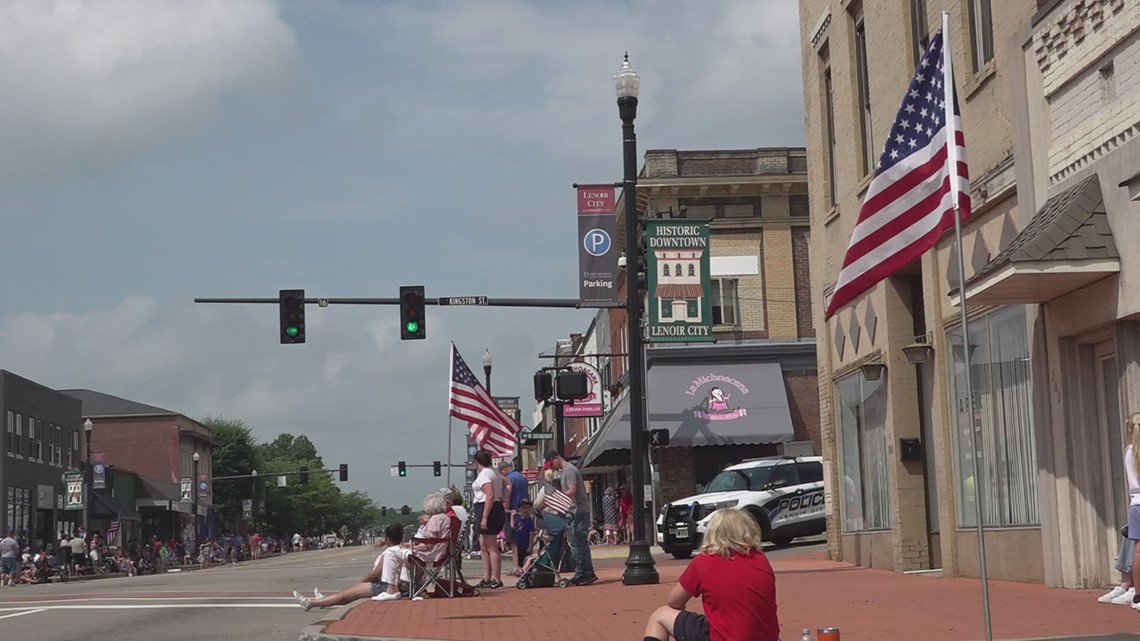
x=909 y=203
x=558 y=502
x=491 y=427
x=112 y=538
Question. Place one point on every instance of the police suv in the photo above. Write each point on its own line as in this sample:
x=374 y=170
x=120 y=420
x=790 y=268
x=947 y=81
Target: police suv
x=783 y=493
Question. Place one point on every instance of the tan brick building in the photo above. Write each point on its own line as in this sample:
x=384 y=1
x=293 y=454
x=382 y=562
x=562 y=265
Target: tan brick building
x=762 y=319
x=1049 y=115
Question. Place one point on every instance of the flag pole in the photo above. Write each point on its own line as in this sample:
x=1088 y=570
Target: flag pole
x=952 y=160
x=450 y=427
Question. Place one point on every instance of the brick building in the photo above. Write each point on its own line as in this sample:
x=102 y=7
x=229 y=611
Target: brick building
x=159 y=446
x=762 y=321
x=1050 y=101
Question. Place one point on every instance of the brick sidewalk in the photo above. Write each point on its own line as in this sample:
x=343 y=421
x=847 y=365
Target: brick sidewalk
x=867 y=605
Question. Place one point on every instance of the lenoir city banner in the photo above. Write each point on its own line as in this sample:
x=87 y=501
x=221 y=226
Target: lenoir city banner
x=677 y=262
x=597 y=256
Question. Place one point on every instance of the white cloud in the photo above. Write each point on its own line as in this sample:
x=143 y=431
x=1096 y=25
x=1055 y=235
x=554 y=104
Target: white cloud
x=86 y=78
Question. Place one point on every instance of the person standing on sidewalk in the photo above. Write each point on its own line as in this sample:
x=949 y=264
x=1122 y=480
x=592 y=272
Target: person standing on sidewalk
x=490 y=516
x=1132 y=473
x=1124 y=593
x=574 y=487
x=517 y=491
x=9 y=560
x=736 y=584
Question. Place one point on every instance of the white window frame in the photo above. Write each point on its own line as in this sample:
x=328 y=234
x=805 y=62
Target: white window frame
x=863 y=94
x=19 y=443
x=828 y=91
x=981 y=32
x=717 y=295
x=11 y=445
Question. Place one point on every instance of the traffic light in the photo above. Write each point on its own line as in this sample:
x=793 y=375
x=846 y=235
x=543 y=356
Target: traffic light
x=343 y=472
x=543 y=386
x=437 y=468
x=405 y=510
x=402 y=468
x=291 y=303
x=412 y=313
x=304 y=476
x=383 y=511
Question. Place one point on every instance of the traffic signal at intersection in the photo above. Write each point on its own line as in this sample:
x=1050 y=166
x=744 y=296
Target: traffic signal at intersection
x=343 y=472
x=291 y=304
x=412 y=313
x=304 y=476
x=402 y=468
x=436 y=468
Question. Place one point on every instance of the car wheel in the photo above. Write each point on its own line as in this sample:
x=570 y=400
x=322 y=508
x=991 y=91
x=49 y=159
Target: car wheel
x=762 y=521
x=783 y=541
x=682 y=554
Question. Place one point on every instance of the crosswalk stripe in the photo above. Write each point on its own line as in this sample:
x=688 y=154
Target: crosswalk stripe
x=21 y=613
x=152 y=606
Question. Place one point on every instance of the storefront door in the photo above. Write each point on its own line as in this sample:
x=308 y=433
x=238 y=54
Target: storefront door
x=1108 y=395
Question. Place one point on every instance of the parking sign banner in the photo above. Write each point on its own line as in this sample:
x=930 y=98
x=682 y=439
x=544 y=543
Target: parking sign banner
x=597 y=255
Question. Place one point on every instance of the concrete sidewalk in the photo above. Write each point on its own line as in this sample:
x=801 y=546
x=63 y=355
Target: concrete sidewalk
x=866 y=605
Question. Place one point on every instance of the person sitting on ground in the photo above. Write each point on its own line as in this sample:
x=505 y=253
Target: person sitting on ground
x=381 y=584
x=736 y=585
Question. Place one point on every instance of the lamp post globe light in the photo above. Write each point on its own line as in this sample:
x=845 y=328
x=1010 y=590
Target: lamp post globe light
x=194 y=540
x=88 y=427
x=640 y=568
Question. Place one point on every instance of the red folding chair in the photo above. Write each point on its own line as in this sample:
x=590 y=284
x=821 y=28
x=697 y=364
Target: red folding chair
x=446 y=574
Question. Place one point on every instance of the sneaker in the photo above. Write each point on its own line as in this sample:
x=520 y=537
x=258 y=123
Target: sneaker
x=1135 y=606
x=483 y=584
x=317 y=593
x=386 y=596
x=1108 y=598
x=586 y=579
x=494 y=585
x=1126 y=598
x=306 y=605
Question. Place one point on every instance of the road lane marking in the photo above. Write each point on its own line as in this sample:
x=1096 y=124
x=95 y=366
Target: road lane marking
x=153 y=606
x=21 y=613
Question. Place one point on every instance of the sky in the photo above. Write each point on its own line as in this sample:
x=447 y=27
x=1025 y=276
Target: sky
x=155 y=151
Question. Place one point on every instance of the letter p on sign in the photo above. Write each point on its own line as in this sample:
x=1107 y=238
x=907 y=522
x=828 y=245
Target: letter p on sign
x=596 y=242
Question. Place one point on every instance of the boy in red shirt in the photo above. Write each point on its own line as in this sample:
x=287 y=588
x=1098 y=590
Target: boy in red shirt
x=736 y=585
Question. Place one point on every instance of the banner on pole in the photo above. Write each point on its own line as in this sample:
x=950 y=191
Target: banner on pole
x=203 y=486
x=75 y=497
x=677 y=262
x=99 y=470
x=597 y=255
x=247 y=509
x=187 y=484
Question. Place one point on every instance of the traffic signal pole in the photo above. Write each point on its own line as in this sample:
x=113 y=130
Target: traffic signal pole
x=558 y=303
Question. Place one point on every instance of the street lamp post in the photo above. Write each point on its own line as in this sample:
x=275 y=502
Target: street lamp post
x=640 y=568
x=487 y=362
x=88 y=427
x=197 y=458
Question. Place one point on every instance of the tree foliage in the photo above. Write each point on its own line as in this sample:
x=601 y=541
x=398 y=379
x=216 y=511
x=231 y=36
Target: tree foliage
x=314 y=508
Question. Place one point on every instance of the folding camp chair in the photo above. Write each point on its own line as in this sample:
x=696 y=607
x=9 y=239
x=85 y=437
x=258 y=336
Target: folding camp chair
x=446 y=574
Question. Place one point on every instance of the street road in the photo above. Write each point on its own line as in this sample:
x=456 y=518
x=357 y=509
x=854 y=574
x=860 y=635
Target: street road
x=246 y=602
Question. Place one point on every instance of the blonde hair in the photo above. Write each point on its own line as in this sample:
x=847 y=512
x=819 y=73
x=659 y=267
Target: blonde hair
x=1132 y=435
x=434 y=504
x=731 y=531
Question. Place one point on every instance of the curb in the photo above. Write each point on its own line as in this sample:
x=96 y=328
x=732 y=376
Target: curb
x=316 y=632
x=92 y=577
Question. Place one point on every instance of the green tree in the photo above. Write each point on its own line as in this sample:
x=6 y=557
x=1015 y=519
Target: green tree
x=289 y=447
x=234 y=454
x=356 y=513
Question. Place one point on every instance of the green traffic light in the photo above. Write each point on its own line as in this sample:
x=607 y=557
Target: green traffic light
x=412 y=327
x=292 y=331
x=403 y=473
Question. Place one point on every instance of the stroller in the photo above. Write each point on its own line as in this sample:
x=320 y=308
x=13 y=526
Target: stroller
x=545 y=570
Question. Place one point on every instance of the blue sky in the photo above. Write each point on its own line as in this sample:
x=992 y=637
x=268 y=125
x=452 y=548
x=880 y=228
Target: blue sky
x=159 y=150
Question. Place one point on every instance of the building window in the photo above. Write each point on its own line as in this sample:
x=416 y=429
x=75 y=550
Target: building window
x=1002 y=420
x=920 y=33
x=73 y=451
x=798 y=205
x=1108 y=83
x=864 y=462
x=59 y=445
x=829 y=129
x=18 y=444
x=982 y=32
x=31 y=439
x=692 y=270
x=861 y=66
x=40 y=441
x=721 y=207
x=665 y=271
x=19 y=510
x=725 y=306
x=11 y=433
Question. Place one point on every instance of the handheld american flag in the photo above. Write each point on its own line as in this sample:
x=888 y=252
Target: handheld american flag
x=469 y=401
x=558 y=502
x=910 y=202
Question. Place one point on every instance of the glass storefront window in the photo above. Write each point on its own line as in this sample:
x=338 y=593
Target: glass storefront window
x=865 y=487
x=998 y=353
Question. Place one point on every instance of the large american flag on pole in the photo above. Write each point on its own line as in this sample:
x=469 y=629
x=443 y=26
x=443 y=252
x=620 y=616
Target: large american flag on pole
x=909 y=203
x=492 y=428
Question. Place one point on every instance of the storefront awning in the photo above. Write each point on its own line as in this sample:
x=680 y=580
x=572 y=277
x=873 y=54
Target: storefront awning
x=679 y=291
x=730 y=404
x=106 y=506
x=1068 y=245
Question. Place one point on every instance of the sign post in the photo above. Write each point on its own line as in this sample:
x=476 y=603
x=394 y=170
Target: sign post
x=597 y=256
x=677 y=262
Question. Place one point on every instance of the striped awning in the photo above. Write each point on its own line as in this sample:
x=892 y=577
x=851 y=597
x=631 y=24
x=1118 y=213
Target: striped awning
x=680 y=291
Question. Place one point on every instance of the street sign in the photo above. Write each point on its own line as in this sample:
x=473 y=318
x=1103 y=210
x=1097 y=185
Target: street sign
x=680 y=286
x=465 y=300
x=659 y=438
x=532 y=437
x=395 y=472
x=322 y=302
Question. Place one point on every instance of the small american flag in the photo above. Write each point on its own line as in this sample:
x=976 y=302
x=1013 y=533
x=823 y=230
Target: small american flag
x=910 y=202
x=469 y=401
x=558 y=502
x=112 y=538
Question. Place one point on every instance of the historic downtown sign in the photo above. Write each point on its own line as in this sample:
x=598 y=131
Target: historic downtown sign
x=677 y=262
